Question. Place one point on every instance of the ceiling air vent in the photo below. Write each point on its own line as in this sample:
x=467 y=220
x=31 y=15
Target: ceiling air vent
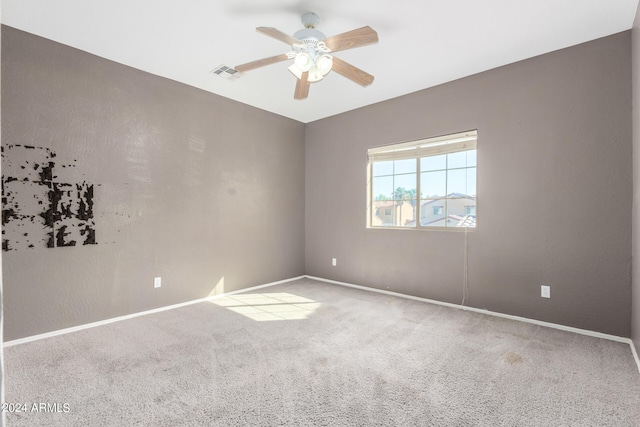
x=226 y=72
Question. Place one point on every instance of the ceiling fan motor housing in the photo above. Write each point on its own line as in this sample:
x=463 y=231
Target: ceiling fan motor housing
x=309 y=36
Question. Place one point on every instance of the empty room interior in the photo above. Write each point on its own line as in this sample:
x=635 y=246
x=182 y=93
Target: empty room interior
x=320 y=213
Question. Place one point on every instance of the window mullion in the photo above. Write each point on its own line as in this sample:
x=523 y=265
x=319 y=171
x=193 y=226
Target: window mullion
x=371 y=203
x=446 y=192
x=418 y=196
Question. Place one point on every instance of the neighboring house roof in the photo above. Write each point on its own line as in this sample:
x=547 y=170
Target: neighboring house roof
x=465 y=221
x=388 y=203
x=391 y=203
x=384 y=203
x=450 y=196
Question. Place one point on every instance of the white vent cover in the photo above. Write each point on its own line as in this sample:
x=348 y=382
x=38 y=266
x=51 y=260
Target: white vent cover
x=226 y=72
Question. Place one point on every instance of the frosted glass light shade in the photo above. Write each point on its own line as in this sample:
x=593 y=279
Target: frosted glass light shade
x=324 y=64
x=303 y=61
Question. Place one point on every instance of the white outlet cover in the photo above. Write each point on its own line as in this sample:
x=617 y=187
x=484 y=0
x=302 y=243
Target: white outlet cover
x=334 y=262
x=157 y=282
x=545 y=291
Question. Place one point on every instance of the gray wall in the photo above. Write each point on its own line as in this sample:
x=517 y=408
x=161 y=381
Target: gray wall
x=203 y=191
x=210 y=194
x=635 y=58
x=554 y=188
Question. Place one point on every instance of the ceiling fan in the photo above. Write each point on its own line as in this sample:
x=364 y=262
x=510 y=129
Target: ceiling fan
x=311 y=54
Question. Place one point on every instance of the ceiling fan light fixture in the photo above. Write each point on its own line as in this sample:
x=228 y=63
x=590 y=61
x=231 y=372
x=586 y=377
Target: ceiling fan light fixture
x=315 y=75
x=324 y=64
x=295 y=70
x=317 y=66
x=303 y=61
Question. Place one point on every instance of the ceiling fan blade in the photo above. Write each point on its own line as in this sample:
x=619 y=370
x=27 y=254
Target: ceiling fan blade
x=355 y=38
x=261 y=63
x=352 y=73
x=302 y=86
x=278 y=35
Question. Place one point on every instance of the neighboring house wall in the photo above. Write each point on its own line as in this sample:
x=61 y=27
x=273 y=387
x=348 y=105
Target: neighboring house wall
x=635 y=55
x=391 y=212
x=172 y=181
x=554 y=158
x=435 y=212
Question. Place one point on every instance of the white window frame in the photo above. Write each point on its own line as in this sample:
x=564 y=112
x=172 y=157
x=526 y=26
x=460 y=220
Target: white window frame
x=446 y=144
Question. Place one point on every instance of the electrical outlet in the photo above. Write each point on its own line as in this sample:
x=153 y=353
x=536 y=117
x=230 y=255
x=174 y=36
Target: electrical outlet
x=157 y=282
x=334 y=262
x=545 y=291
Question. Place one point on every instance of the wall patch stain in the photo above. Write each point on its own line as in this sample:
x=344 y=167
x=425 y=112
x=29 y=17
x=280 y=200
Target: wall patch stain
x=61 y=238
x=59 y=214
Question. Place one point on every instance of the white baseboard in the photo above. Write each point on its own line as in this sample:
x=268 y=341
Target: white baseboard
x=492 y=313
x=335 y=282
x=141 y=313
x=635 y=354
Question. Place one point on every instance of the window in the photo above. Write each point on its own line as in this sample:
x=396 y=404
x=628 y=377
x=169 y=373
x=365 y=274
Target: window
x=423 y=184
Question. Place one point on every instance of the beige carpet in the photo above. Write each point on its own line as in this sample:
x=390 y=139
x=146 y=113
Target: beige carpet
x=307 y=353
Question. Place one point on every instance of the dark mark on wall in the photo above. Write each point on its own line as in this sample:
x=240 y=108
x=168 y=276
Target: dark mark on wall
x=68 y=215
x=91 y=235
x=7 y=215
x=46 y=174
x=51 y=242
x=61 y=235
x=85 y=210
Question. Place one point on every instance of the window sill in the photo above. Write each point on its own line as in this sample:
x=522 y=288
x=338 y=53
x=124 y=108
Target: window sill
x=453 y=229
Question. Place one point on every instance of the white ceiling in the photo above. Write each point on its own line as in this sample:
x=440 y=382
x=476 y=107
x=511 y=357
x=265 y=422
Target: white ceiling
x=423 y=43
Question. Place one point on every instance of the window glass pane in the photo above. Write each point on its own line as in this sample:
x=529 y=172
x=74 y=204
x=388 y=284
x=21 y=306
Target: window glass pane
x=457 y=160
x=471 y=157
x=432 y=212
x=383 y=168
x=404 y=213
x=382 y=188
x=433 y=184
x=457 y=182
x=456 y=207
x=398 y=213
x=461 y=212
x=471 y=182
x=404 y=166
x=404 y=186
x=383 y=213
x=433 y=163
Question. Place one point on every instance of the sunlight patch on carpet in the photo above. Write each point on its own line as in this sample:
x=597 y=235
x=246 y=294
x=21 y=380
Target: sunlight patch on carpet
x=269 y=306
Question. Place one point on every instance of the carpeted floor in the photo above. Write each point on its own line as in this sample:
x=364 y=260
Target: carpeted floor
x=307 y=353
